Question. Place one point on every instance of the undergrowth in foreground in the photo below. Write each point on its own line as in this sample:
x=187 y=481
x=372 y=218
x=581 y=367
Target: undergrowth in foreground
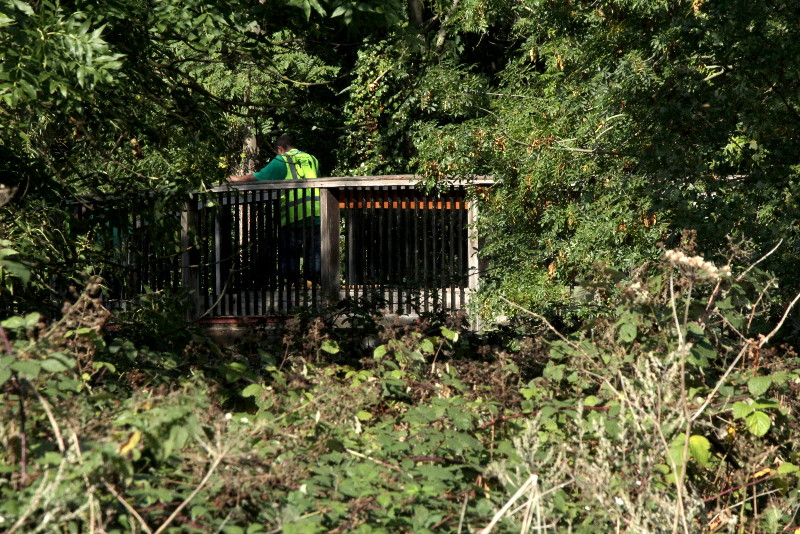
x=674 y=412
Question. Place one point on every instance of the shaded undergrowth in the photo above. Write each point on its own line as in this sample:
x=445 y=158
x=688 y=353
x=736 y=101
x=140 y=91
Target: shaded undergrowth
x=671 y=412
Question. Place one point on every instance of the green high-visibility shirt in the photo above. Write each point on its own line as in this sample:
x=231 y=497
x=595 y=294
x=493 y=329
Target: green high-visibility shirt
x=295 y=206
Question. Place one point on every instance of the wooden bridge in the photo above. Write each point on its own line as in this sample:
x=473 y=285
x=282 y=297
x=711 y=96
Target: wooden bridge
x=380 y=239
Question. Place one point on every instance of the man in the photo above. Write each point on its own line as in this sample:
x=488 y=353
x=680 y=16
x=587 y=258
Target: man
x=299 y=209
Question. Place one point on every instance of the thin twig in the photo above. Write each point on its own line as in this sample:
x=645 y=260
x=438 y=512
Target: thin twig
x=23 y=439
x=544 y=493
x=680 y=512
x=765 y=339
x=758 y=301
x=520 y=492
x=45 y=491
x=463 y=512
x=762 y=258
x=128 y=507
x=722 y=380
x=187 y=500
x=375 y=460
x=50 y=417
x=741 y=486
x=6 y=343
x=549 y=326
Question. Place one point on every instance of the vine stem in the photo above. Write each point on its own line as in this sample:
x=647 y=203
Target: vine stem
x=128 y=507
x=50 y=417
x=547 y=323
x=680 y=513
x=762 y=258
x=219 y=456
x=748 y=344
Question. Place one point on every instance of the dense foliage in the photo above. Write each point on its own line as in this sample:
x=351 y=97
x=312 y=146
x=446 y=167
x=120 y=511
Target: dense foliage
x=670 y=415
x=658 y=397
x=609 y=129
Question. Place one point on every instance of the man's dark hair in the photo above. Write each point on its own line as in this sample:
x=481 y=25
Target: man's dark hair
x=284 y=141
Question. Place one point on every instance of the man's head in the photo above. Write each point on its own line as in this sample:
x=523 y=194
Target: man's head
x=284 y=143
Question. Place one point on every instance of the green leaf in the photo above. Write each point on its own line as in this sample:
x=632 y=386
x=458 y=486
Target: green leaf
x=253 y=390
x=787 y=467
x=741 y=410
x=758 y=423
x=426 y=346
x=27 y=368
x=379 y=352
x=449 y=334
x=554 y=372
x=676 y=449
x=627 y=332
x=700 y=448
x=331 y=347
x=591 y=400
x=758 y=385
x=317 y=7
x=19 y=323
x=695 y=328
x=52 y=365
x=23 y=6
x=363 y=415
x=5 y=374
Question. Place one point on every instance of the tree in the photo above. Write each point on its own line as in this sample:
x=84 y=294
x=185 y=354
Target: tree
x=611 y=129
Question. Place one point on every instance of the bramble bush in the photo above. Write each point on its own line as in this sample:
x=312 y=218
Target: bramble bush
x=675 y=412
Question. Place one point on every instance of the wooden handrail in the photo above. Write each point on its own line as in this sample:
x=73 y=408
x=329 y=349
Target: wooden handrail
x=334 y=196
x=344 y=181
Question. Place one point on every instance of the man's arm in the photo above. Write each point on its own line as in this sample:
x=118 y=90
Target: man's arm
x=275 y=170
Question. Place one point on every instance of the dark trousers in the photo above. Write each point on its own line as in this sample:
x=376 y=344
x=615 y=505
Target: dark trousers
x=300 y=252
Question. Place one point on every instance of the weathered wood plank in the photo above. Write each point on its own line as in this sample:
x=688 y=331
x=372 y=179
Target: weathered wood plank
x=329 y=233
x=345 y=181
x=190 y=271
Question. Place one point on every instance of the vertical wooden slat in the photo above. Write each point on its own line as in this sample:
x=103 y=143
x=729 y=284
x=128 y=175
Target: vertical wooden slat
x=274 y=254
x=305 y=270
x=329 y=247
x=316 y=248
x=463 y=265
x=370 y=234
x=345 y=195
x=245 y=273
x=217 y=263
x=361 y=229
x=405 y=228
x=257 y=269
x=415 y=214
x=235 y=287
x=283 y=279
x=384 y=246
x=425 y=254
x=437 y=242
x=190 y=257
x=452 y=258
x=295 y=255
x=472 y=249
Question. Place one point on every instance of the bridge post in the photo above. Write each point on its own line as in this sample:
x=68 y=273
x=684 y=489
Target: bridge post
x=330 y=276
x=477 y=265
x=190 y=269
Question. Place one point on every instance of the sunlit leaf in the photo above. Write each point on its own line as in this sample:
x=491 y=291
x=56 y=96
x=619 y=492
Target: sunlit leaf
x=700 y=449
x=130 y=443
x=758 y=385
x=758 y=423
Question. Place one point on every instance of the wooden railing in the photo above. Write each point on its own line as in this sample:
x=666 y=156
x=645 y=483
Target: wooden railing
x=380 y=239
